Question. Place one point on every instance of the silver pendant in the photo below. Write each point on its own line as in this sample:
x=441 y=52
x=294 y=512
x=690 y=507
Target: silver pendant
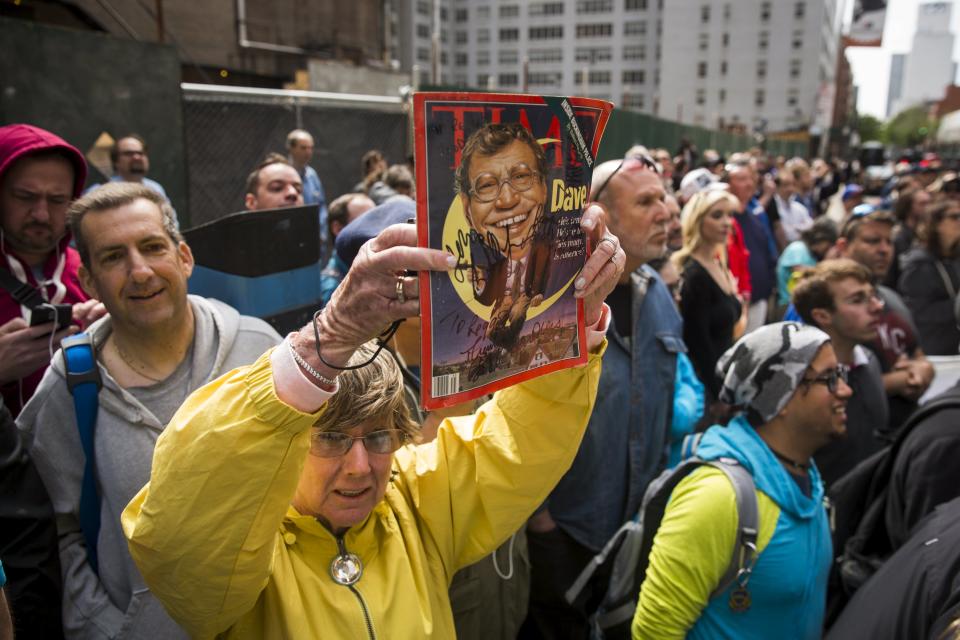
x=346 y=569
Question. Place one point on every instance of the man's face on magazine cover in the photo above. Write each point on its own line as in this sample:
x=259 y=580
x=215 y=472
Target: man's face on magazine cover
x=506 y=197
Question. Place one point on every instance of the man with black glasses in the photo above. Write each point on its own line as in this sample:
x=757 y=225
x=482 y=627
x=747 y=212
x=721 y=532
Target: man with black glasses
x=839 y=297
x=503 y=190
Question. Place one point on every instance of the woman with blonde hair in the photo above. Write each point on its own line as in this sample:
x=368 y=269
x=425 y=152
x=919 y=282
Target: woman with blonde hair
x=711 y=309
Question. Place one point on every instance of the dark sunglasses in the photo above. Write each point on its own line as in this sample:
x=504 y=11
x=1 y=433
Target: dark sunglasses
x=635 y=161
x=332 y=444
x=830 y=378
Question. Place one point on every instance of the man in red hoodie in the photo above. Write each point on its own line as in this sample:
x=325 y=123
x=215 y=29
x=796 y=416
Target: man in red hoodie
x=40 y=174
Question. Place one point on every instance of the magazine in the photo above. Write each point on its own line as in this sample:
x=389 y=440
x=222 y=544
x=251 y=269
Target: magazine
x=502 y=183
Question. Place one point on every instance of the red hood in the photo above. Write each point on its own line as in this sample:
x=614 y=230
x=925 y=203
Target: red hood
x=19 y=140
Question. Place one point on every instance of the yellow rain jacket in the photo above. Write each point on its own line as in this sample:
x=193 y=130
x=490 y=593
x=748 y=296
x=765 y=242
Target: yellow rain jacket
x=219 y=544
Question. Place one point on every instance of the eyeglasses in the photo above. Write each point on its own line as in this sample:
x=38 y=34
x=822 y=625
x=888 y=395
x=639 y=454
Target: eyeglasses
x=865 y=297
x=332 y=444
x=830 y=378
x=487 y=187
x=633 y=162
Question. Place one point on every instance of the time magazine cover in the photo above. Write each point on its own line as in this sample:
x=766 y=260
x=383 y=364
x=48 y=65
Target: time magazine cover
x=502 y=184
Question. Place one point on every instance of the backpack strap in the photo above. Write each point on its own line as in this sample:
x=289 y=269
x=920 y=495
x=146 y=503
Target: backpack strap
x=748 y=521
x=83 y=381
x=24 y=293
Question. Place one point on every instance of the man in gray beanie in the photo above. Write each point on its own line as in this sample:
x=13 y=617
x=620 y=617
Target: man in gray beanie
x=791 y=394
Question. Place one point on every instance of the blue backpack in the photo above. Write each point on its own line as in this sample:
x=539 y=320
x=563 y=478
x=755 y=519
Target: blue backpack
x=84 y=383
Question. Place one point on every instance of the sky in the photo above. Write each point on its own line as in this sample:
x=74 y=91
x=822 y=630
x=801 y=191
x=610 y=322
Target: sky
x=871 y=65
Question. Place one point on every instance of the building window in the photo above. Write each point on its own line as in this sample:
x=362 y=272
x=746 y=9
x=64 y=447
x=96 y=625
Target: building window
x=722 y=95
x=423 y=7
x=634 y=77
x=796 y=40
x=634 y=52
x=443 y=36
x=460 y=80
x=701 y=97
x=509 y=35
x=634 y=5
x=483 y=79
x=423 y=54
x=483 y=35
x=507 y=57
x=483 y=58
x=460 y=60
x=594 y=30
x=792 y=98
x=443 y=14
x=799 y=10
x=460 y=37
x=761 y=69
x=795 y=66
x=704 y=41
x=509 y=11
x=635 y=28
x=759 y=97
x=593 y=54
x=423 y=31
x=545 y=55
x=726 y=11
x=546 y=9
x=443 y=58
x=764 y=41
x=598 y=77
x=546 y=33
x=705 y=14
x=461 y=15
x=632 y=101
x=483 y=12
x=594 y=6
x=508 y=80
x=765 y=12
x=544 y=78
x=725 y=40
x=723 y=67
x=701 y=69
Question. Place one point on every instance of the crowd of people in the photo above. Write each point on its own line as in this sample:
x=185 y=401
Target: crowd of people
x=760 y=312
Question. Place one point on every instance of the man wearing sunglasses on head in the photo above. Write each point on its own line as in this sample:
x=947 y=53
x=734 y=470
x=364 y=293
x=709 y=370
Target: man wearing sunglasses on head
x=839 y=297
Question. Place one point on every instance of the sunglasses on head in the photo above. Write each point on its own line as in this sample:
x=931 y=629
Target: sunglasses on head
x=638 y=161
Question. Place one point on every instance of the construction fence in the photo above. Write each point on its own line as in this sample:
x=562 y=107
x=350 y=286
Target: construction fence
x=229 y=130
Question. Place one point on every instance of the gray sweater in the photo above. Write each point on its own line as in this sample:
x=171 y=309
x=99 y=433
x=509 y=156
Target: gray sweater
x=117 y=604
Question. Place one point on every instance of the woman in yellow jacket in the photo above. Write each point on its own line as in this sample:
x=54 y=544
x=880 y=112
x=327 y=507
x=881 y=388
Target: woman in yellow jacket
x=265 y=518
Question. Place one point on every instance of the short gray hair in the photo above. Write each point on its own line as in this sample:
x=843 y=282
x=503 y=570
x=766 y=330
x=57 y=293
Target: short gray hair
x=112 y=196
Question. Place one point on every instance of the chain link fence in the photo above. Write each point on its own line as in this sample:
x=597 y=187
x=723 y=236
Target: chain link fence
x=229 y=130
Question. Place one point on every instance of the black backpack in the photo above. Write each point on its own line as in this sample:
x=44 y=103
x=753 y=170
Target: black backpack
x=629 y=548
x=860 y=502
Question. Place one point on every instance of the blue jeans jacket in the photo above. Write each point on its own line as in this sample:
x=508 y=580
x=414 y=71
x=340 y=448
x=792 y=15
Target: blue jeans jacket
x=627 y=441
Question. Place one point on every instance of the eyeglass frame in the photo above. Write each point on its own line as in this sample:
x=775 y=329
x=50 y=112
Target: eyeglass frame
x=643 y=160
x=536 y=175
x=830 y=378
x=346 y=438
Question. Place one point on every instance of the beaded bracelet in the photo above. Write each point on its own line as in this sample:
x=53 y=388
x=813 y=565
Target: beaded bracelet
x=306 y=367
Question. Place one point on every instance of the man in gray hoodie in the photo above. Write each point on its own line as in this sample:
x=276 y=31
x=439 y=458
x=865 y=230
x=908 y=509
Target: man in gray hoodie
x=156 y=346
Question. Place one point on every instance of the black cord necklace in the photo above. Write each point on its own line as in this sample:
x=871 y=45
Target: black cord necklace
x=802 y=467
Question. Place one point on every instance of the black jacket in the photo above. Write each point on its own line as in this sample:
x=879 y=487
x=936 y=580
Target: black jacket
x=28 y=540
x=925 y=472
x=927 y=295
x=916 y=594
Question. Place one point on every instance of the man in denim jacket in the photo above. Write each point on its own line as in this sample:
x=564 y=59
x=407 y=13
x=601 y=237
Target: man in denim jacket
x=626 y=443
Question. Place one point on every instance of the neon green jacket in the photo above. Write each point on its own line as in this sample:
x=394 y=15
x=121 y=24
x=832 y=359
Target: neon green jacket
x=218 y=543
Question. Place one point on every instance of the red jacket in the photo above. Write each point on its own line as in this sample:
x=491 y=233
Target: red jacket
x=61 y=284
x=737 y=260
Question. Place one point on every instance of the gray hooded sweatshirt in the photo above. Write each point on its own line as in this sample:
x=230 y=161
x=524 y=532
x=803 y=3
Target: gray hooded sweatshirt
x=117 y=604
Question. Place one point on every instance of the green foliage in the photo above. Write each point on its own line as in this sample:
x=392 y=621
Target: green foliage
x=910 y=127
x=870 y=128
